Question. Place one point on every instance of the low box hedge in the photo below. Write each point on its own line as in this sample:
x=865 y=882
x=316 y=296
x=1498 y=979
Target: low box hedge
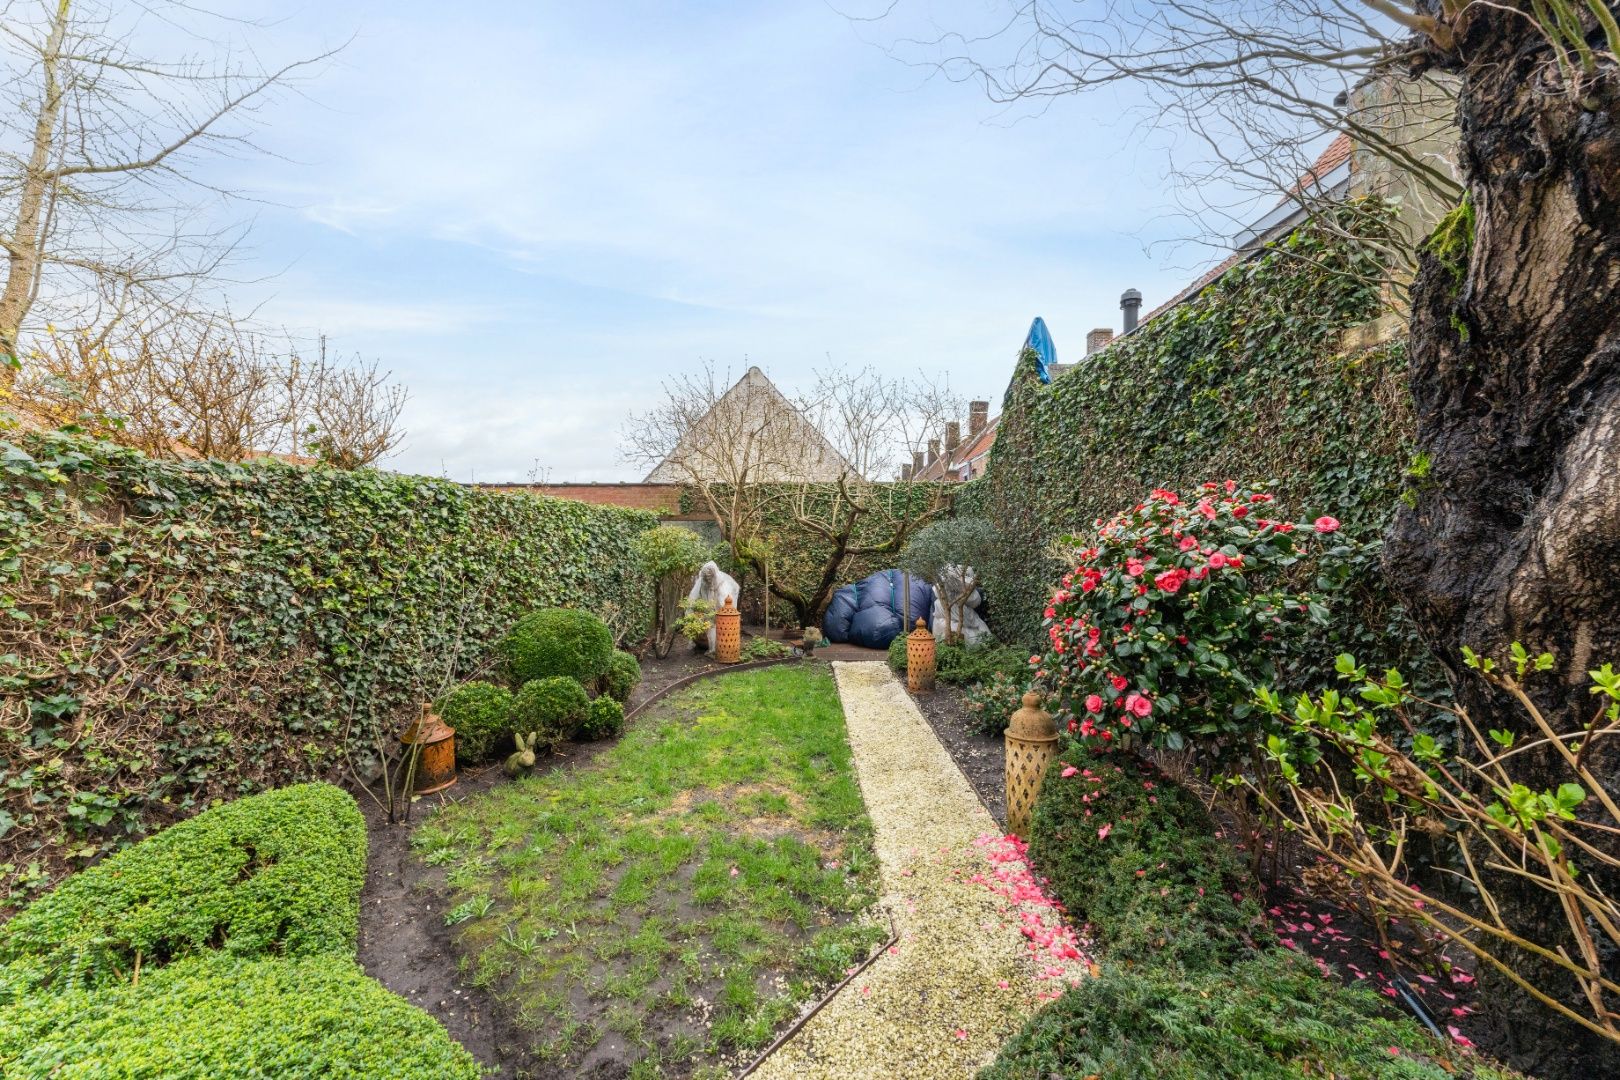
x=277 y=873
x=220 y=1015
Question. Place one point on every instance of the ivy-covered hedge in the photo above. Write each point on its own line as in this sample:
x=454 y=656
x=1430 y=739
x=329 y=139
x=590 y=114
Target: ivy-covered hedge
x=1248 y=380
x=218 y=1015
x=175 y=633
x=1192 y=986
x=277 y=873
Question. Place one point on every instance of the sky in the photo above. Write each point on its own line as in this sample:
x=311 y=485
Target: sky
x=533 y=212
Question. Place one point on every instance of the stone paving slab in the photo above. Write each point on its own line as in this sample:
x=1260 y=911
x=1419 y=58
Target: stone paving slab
x=980 y=947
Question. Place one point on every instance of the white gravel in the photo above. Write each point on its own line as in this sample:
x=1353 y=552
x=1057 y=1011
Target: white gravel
x=979 y=950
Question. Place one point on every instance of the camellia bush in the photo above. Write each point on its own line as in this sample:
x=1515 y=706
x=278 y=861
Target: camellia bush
x=1176 y=611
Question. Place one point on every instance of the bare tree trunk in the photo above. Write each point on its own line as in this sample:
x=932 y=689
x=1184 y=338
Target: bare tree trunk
x=1515 y=355
x=24 y=248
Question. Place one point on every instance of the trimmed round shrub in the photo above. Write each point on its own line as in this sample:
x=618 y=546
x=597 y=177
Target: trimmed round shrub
x=481 y=713
x=623 y=676
x=223 y=1015
x=276 y=873
x=557 y=641
x=551 y=708
x=604 y=721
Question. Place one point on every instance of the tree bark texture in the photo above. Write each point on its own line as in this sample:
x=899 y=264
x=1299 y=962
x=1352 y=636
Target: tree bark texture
x=1515 y=367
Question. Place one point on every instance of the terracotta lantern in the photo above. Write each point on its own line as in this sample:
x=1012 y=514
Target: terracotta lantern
x=436 y=763
x=1031 y=745
x=920 y=662
x=728 y=633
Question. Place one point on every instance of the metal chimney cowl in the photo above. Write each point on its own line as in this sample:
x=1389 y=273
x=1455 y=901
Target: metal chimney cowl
x=1130 y=302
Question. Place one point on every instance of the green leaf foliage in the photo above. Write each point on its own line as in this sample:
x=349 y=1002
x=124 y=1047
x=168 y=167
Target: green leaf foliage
x=1251 y=378
x=604 y=720
x=553 y=708
x=219 y=1015
x=481 y=713
x=1192 y=987
x=959 y=665
x=183 y=632
x=273 y=874
x=1271 y=1016
x=623 y=676
x=557 y=641
x=670 y=549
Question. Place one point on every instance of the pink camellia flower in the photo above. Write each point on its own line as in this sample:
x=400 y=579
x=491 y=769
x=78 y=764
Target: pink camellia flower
x=1134 y=567
x=1094 y=703
x=1217 y=561
x=1171 y=580
x=1188 y=542
x=1326 y=524
x=1120 y=682
x=1139 y=705
x=1102 y=833
x=1068 y=771
x=1207 y=509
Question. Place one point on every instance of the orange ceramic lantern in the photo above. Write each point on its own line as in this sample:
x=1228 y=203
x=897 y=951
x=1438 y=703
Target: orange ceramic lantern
x=728 y=633
x=920 y=659
x=436 y=762
x=1031 y=745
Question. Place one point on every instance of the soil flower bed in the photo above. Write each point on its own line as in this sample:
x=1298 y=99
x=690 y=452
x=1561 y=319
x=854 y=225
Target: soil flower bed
x=666 y=909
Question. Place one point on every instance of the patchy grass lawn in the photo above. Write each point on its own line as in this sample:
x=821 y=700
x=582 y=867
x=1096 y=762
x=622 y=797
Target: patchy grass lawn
x=668 y=907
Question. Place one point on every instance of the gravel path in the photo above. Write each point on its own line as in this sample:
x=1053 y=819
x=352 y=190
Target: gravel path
x=980 y=947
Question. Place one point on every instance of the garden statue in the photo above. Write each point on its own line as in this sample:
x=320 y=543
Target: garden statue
x=715 y=586
x=524 y=757
x=956 y=599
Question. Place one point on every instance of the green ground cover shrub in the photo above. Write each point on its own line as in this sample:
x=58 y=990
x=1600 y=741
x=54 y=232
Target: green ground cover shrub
x=604 y=720
x=719 y=851
x=557 y=641
x=958 y=665
x=1192 y=985
x=623 y=676
x=481 y=713
x=277 y=873
x=220 y=1015
x=990 y=704
x=552 y=708
x=174 y=633
x=1270 y=1016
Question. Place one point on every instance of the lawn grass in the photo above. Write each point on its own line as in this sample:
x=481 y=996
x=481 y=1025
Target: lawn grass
x=676 y=901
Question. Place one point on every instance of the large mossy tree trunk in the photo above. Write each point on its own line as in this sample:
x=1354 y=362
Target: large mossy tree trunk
x=1515 y=354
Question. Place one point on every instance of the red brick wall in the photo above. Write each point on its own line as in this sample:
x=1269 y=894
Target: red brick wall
x=659 y=498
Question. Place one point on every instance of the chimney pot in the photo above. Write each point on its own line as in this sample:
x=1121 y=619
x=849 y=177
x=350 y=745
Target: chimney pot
x=1130 y=302
x=953 y=436
x=933 y=451
x=1099 y=339
x=905 y=472
x=916 y=462
x=978 y=417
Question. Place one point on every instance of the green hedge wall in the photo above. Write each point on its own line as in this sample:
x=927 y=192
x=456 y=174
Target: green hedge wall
x=1248 y=380
x=172 y=634
x=277 y=873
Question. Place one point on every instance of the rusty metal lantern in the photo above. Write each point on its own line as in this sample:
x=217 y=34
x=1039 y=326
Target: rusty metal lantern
x=436 y=760
x=1031 y=745
x=920 y=659
x=728 y=633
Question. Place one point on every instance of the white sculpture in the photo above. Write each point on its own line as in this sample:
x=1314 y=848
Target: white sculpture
x=715 y=585
x=956 y=600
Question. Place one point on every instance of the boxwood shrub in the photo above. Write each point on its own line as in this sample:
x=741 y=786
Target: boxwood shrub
x=481 y=713
x=557 y=641
x=219 y=1015
x=275 y=873
x=604 y=720
x=552 y=708
x=623 y=676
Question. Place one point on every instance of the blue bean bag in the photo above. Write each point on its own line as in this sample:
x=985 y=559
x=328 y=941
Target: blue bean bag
x=871 y=613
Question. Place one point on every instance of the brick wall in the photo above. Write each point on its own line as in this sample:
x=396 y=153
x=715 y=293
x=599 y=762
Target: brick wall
x=659 y=498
